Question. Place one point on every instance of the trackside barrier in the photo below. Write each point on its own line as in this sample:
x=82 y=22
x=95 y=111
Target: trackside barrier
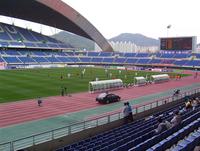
x=77 y=127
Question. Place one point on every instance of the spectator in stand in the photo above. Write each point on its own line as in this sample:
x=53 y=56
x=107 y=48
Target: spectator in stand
x=126 y=113
x=176 y=92
x=188 y=105
x=194 y=104
x=161 y=126
x=198 y=101
x=182 y=110
x=176 y=120
x=130 y=112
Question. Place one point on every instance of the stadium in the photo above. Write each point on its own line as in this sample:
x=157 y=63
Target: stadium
x=49 y=89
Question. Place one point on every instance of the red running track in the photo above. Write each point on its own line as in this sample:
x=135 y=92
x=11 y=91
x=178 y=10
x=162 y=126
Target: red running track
x=24 y=111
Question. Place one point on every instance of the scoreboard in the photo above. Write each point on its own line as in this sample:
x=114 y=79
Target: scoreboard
x=178 y=43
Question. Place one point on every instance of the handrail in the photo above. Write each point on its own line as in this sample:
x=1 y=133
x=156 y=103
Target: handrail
x=32 y=139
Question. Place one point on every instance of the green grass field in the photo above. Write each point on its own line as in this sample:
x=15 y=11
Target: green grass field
x=31 y=83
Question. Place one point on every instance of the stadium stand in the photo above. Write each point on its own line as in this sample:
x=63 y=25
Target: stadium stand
x=167 y=61
x=197 y=55
x=74 y=59
x=26 y=60
x=12 y=36
x=40 y=59
x=52 y=59
x=85 y=59
x=140 y=55
x=12 y=60
x=180 y=62
x=108 y=60
x=1 y=60
x=143 y=61
x=182 y=55
x=96 y=60
x=119 y=60
x=166 y=55
x=140 y=135
x=55 y=57
x=193 y=63
x=93 y=54
x=105 y=54
x=64 y=59
x=190 y=141
x=155 y=61
x=11 y=52
x=23 y=47
x=131 y=60
x=129 y=54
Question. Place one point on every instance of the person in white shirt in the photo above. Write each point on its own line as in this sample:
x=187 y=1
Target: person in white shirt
x=176 y=120
x=162 y=126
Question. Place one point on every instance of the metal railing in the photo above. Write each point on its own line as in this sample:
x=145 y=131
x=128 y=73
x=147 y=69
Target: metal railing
x=77 y=127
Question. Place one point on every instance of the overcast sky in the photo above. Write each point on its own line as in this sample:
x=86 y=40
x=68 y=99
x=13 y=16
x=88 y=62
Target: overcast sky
x=148 y=17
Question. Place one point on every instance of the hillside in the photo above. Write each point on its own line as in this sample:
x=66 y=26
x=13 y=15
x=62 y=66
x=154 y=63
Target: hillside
x=138 y=39
x=75 y=40
x=81 y=42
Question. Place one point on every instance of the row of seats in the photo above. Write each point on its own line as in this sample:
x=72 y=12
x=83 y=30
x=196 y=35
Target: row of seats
x=177 y=136
x=131 y=136
x=11 y=35
x=75 y=59
x=144 y=55
x=99 y=54
x=170 y=135
x=190 y=142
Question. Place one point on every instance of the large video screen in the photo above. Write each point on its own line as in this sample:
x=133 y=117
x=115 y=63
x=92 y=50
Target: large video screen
x=181 y=43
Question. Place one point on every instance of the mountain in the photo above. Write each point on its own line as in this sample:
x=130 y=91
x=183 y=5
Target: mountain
x=74 y=40
x=84 y=43
x=138 y=39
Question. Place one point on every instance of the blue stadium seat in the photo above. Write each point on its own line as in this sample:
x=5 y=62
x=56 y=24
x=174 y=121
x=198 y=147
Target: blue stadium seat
x=64 y=59
x=96 y=60
x=26 y=60
x=12 y=36
x=180 y=62
x=182 y=55
x=40 y=59
x=167 y=55
x=142 y=55
x=131 y=60
x=155 y=61
x=105 y=54
x=53 y=59
x=85 y=59
x=13 y=60
x=107 y=60
x=93 y=54
x=119 y=60
x=129 y=55
x=143 y=61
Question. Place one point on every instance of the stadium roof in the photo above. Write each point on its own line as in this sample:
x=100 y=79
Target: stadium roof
x=54 y=13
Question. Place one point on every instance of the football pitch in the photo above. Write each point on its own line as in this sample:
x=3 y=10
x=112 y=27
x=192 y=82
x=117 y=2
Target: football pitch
x=32 y=83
